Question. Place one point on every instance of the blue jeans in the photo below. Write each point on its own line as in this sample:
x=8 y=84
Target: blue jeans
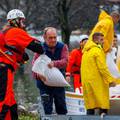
x=56 y=94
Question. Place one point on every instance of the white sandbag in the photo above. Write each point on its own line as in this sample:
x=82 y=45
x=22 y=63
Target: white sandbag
x=112 y=66
x=55 y=78
x=118 y=58
x=115 y=91
x=53 y=75
x=40 y=65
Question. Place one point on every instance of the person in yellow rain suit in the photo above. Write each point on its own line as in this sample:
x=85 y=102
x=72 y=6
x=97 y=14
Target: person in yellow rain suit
x=95 y=76
x=105 y=25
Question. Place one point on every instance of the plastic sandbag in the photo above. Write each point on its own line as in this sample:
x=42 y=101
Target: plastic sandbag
x=40 y=65
x=112 y=66
x=55 y=78
x=53 y=75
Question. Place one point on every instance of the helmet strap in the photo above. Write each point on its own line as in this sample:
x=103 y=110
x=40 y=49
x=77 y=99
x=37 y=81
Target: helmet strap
x=15 y=23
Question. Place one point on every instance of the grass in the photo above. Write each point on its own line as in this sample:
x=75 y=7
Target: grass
x=28 y=117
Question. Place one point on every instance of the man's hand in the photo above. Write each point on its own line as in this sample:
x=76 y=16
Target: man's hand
x=68 y=78
x=112 y=84
x=51 y=64
x=41 y=77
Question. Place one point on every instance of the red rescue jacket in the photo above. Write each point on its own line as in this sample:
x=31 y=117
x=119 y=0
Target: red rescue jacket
x=17 y=38
x=74 y=63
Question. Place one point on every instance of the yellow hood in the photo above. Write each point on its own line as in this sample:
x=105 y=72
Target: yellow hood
x=104 y=15
x=89 y=45
x=106 y=27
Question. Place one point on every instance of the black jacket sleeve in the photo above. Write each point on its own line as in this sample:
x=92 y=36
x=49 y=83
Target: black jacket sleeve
x=12 y=48
x=36 y=46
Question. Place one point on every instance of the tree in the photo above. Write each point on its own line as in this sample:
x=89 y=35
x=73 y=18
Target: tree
x=76 y=14
x=63 y=7
x=66 y=15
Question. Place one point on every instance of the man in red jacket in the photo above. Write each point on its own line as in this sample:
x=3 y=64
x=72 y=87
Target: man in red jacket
x=16 y=39
x=74 y=63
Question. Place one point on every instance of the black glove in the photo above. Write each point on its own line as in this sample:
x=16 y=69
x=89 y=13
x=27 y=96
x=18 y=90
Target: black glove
x=25 y=57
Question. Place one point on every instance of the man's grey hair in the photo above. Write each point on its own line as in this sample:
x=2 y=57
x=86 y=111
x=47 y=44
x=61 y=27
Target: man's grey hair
x=115 y=13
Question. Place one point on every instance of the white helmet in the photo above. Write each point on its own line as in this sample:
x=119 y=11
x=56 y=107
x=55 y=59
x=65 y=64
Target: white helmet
x=15 y=13
x=83 y=37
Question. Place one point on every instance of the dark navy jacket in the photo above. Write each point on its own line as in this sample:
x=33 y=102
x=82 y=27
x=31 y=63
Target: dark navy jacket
x=57 y=53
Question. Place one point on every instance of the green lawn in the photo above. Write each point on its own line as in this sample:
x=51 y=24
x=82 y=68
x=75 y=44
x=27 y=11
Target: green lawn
x=26 y=117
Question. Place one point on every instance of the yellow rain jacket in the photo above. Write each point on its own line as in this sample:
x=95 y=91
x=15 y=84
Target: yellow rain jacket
x=95 y=77
x=104 y=25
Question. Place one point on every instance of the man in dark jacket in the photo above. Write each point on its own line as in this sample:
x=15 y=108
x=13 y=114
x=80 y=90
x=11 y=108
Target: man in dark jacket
x=58 y=52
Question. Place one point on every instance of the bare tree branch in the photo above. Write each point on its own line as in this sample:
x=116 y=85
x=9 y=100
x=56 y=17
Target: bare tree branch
x=8 y=5
x=68 y=4
x=75 y=12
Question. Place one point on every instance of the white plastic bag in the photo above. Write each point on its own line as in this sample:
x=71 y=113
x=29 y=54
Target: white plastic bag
x=53 y=75
x=112 y=66
x=40 y=65
x=55 y=78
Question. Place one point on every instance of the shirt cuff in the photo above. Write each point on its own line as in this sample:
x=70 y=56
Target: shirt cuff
x=67 y=74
